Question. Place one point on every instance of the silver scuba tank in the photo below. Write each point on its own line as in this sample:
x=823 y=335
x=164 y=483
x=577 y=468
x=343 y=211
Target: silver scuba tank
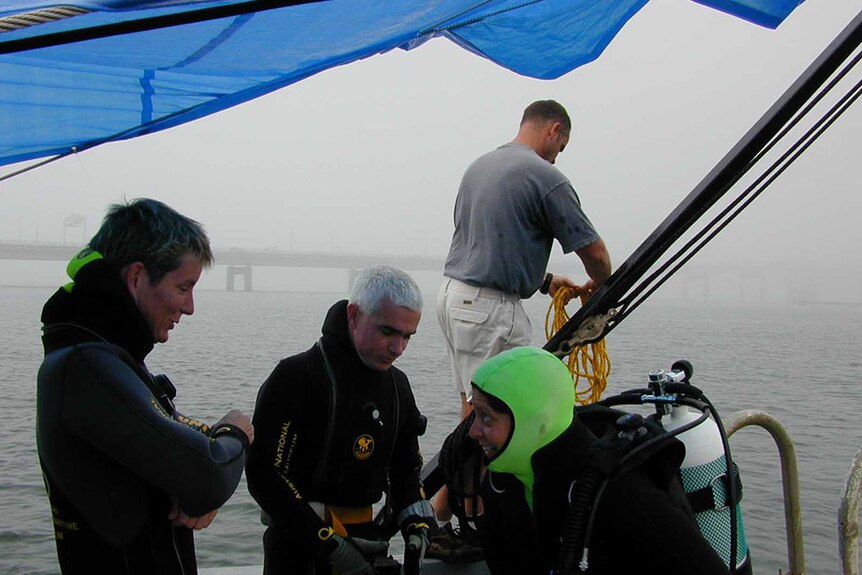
x=704 y=478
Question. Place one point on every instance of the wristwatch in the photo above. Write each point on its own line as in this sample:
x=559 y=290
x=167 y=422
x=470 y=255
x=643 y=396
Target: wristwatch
x=546 y=285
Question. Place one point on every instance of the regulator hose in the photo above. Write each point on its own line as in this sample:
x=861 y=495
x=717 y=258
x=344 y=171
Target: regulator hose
x=604 y=456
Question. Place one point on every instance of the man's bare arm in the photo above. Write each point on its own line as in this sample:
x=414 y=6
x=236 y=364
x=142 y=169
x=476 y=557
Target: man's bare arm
x=597 y=264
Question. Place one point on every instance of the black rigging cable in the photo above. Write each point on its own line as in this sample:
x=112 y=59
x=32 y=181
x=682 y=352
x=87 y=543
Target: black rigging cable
x=627 y=288
x=728 y=214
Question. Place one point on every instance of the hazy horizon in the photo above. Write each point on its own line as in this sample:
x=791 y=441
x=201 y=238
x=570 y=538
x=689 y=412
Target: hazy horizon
x=367 y=157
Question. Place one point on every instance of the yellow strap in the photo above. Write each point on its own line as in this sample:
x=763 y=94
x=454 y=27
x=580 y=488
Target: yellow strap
x=590 y=361
x=417 y=525
x=341 y=516
x=338 y=526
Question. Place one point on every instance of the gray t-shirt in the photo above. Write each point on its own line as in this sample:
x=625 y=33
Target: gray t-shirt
x=510 y=207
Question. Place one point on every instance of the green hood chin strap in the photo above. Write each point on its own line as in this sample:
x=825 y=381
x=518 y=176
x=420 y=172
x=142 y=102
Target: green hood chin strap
x=540 y=393
x=81 y=259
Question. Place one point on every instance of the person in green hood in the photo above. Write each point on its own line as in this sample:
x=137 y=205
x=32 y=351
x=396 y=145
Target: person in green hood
x=536 y=450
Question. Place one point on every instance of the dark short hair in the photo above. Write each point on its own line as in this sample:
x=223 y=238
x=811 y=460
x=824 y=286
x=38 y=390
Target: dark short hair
x=148 y=231
x=495 y=402
x=547 y=111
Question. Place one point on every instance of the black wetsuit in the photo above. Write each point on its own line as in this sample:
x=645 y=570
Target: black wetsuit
x=304 y=451
x=643 y=523
x=112 y=448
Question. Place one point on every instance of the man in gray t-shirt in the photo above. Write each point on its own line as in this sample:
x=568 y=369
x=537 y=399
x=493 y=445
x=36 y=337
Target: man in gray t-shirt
x=511 y=205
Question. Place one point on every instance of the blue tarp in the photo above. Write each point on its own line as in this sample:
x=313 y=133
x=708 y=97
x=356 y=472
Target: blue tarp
x=76 y=95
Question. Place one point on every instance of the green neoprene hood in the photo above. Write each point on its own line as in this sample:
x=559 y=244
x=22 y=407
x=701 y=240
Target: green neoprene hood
x=81 y=259
x=539 y=391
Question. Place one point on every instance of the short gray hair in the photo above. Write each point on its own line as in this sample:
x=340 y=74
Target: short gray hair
x=380 y=283
x=150 y=232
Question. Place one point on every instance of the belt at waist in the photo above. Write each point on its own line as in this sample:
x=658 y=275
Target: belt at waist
x=338 y=517
x=341 y=516
x=464 y=288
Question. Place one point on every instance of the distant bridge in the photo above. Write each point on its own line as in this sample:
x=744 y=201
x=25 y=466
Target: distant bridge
x=697 y=281
x=239 y=262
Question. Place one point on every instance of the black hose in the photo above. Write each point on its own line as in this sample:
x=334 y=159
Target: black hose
x=573 y=533
x=584 y=500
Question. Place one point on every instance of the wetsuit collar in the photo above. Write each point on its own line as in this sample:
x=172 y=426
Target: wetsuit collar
x=335 y=328
x=95 y=306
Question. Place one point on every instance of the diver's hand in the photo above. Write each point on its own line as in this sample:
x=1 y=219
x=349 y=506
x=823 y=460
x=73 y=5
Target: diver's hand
x=348 y=555
x=415 y=545
x=589 y=288
x=559 y=282
x=180 y=519
x=415 y=521
x=241 y=421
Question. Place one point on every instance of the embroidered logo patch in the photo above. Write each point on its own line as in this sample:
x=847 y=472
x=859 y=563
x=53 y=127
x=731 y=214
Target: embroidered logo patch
x=363 y=447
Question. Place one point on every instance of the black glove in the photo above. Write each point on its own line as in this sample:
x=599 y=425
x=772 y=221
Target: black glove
x=415 y=521
x=347 y=555
x=415 y=532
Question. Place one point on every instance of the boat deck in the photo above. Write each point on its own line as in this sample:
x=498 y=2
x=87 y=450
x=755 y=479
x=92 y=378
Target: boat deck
x=431 y=567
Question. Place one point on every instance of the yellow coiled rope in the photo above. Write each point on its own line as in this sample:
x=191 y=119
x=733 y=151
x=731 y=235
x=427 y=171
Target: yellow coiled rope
x=589 y=364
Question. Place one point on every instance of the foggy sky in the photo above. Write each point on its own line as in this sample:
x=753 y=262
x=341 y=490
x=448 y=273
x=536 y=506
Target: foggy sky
x=367 y=157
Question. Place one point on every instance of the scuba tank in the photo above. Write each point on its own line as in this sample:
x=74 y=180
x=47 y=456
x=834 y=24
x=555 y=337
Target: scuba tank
x=684 y=415
x=704 y=471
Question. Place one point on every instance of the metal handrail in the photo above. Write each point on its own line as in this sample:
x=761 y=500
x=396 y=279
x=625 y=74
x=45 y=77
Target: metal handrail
x=848 y=522
x=789 y=477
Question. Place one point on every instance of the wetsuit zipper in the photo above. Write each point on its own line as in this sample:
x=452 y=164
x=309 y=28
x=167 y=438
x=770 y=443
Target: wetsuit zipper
x=330 y=428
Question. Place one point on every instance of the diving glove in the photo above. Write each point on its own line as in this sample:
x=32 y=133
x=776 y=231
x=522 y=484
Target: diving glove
x=348 y=555
x=415 y=531
x=415 y=521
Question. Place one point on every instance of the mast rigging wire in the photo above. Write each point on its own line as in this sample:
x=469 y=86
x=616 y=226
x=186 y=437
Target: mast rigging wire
x=630 y=302
x=603 y=306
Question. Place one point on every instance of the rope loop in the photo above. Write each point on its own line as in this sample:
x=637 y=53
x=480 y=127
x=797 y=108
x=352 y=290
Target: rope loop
x=589 y=364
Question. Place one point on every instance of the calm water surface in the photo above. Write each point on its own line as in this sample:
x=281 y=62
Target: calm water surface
x=800 y=363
